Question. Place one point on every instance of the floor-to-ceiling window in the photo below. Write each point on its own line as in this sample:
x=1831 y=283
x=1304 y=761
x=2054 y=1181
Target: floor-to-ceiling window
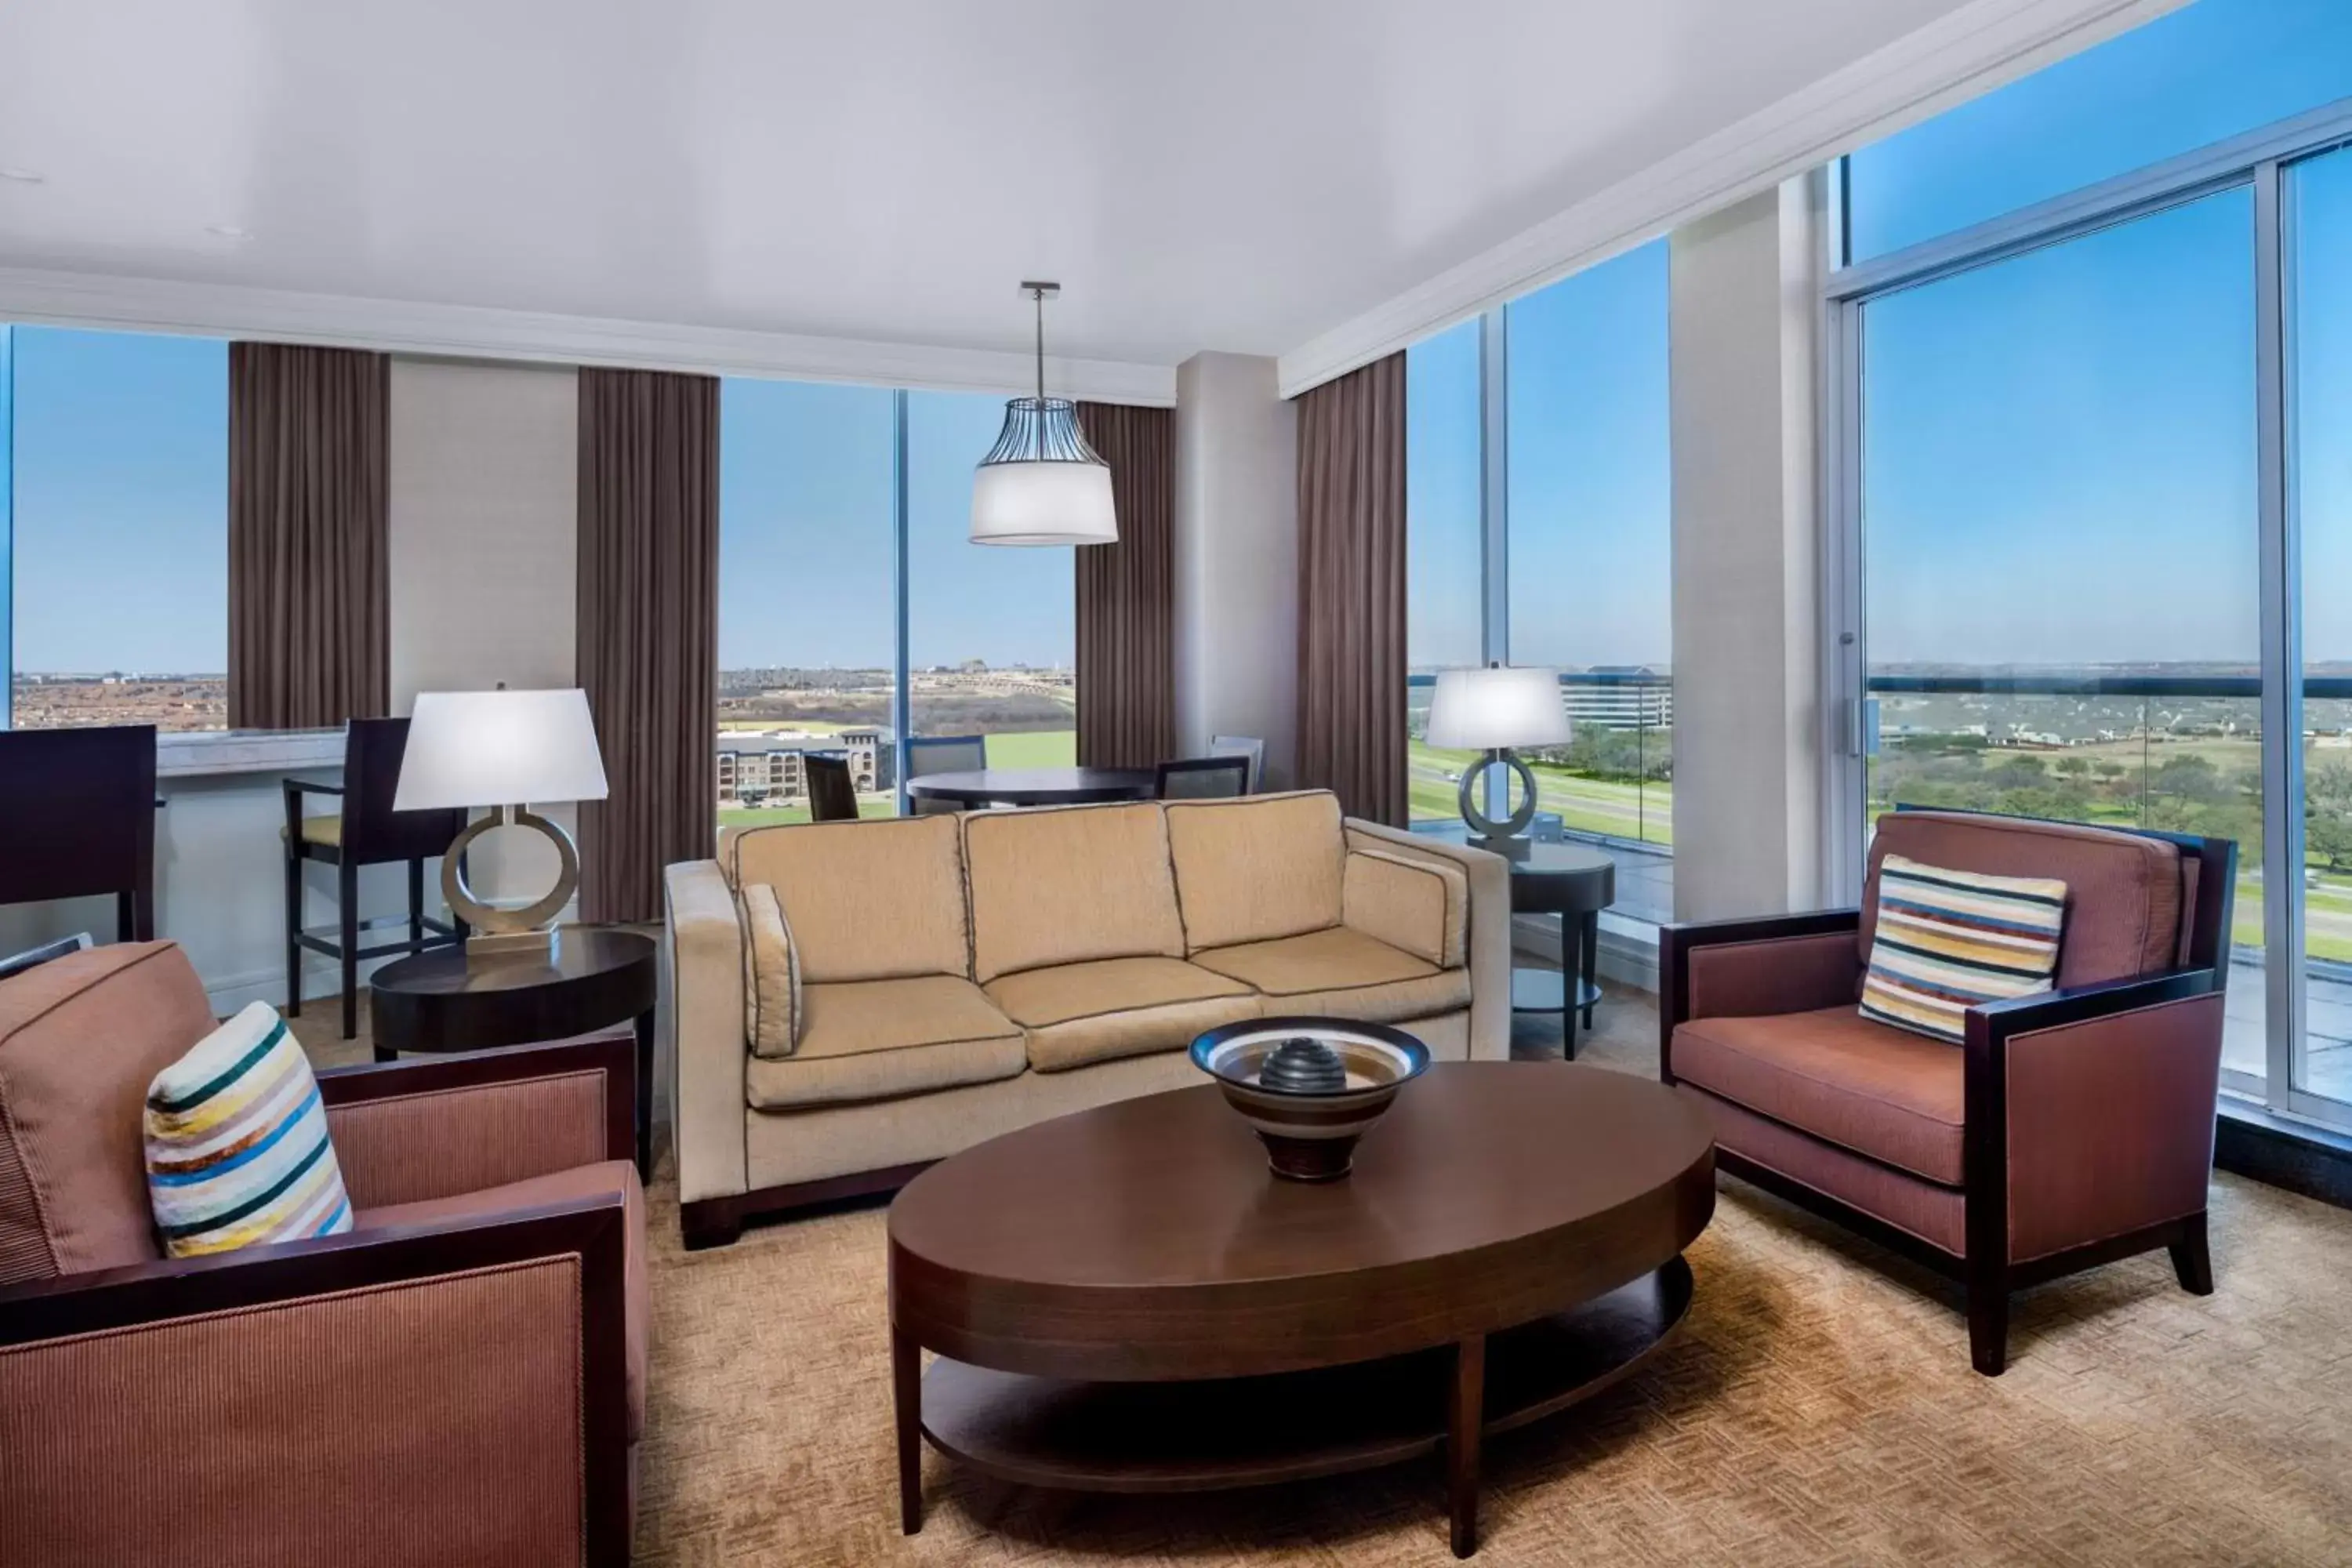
x=114 y=529
x=853 y=608
x=807 y=594
x=1444 y=556
x=1590 y=577
x=1539 y=522
x=2092 y=515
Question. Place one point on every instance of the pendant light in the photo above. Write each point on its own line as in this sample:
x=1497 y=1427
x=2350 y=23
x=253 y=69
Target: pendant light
x=1041 y=483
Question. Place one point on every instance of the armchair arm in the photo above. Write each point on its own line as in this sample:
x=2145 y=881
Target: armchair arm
x=1749 y=968
x=409 y=1131
x=2096 y=1105
x=446 y=1393
x=702 y=941
x=1488 y=946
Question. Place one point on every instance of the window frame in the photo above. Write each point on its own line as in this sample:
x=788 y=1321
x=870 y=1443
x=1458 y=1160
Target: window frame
x=2256 y=160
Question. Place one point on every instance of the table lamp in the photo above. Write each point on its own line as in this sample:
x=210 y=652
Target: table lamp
x=502 y=750
x=1493 y=710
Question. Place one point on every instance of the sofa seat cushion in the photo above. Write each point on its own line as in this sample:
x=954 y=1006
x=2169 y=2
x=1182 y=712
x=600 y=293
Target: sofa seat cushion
x=1075 y=1013
x=1892 y=1094
x=877 y=1039
x=559 y=1187
x=1340 y=973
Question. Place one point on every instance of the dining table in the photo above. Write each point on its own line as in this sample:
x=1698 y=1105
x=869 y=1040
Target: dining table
x=1036 y=786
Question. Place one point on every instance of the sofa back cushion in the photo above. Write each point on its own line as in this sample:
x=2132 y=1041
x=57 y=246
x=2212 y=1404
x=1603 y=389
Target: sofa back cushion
x=1069 y=884
x=2122 y=890
x=81 y=1039
x=865 y=901
x=1257 y=868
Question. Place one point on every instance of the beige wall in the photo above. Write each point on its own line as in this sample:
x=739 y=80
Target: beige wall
x=1236 y=548
x=1748 y=741
x=483 y=528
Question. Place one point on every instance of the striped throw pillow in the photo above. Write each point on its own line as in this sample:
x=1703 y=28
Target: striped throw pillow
x=1949 y=939
x=237 y=1142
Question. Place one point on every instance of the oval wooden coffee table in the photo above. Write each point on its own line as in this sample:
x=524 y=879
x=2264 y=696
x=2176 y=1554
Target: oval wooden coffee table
x=1127 y=1299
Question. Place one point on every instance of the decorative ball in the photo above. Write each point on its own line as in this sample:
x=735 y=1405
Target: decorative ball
x=1302 y=1064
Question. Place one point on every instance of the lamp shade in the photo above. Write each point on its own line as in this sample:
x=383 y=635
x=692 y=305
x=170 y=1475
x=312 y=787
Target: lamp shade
x=1496 y=708
x=1041 y=484
x=499 y=748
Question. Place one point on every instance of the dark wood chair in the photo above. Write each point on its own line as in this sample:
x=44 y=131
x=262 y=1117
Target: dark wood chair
x=2072 y=1128
x=942 y=754
x=365 y=832
x=832 y=796
x=78 y=818
x=1204 y=778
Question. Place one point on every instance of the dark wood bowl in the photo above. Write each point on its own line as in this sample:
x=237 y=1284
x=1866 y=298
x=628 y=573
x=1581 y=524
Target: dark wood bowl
x=1310 y=1136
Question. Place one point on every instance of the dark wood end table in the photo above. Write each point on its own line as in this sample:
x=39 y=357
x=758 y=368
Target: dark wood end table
x=451 y=1000
x=1127 y=1299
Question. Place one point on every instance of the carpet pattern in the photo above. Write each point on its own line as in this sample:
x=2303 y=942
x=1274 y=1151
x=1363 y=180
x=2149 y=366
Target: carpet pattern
x=1817 y=1408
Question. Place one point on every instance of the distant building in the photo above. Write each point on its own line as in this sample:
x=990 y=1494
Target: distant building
x=1618 y=696
x=765 y=767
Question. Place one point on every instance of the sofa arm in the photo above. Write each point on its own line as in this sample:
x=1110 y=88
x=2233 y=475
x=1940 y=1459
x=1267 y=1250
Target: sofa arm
x=435 y=1394
x=1488 y=941
x=1750 y=968
x=2099 y=1103
x=411 y=1131
x=702 y=940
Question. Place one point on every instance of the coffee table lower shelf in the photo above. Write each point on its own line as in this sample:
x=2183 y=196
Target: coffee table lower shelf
x=1255 y=1431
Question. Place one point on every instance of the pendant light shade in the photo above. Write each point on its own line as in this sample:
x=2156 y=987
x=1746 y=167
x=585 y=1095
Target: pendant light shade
x=1041 y=483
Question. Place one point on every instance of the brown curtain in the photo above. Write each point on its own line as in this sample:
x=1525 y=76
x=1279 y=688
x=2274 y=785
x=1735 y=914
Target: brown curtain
x=647 y=629
x=1351 y=664
x=309 y=622
x=1126 y=672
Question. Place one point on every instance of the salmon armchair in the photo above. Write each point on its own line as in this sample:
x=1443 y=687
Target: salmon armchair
x=2071 y=1128
x=457 y=1379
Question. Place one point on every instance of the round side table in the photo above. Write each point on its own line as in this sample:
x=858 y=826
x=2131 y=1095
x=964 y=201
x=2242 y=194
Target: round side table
x=451 y=1000
x=1576 y=882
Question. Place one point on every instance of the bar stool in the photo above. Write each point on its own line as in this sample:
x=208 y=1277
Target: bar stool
x=365 y=832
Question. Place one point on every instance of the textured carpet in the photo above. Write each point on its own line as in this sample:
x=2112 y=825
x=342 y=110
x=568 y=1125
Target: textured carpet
x=1817 y=1408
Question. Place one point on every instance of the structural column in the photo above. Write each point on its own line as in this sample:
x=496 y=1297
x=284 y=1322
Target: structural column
x=1236 y=559
x=1749 y=747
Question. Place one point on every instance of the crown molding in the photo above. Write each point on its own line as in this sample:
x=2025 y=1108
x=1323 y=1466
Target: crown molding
x=468 y=331
x=1960 y=55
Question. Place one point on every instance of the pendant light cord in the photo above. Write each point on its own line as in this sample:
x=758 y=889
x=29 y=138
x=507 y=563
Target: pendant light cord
x=1039 y=295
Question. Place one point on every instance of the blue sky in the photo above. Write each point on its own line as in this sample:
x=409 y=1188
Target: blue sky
x=2059 y=448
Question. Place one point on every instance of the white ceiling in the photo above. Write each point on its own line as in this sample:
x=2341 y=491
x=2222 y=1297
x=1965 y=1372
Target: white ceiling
x=1235 y=175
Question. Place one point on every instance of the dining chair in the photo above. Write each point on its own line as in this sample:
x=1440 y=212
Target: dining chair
x=1248 y=746
x=1204 y=778
x=832 y=796
x=366 y=831
x=943 y=754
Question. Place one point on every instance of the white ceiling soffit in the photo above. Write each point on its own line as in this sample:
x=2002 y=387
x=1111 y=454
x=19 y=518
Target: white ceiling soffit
x=466 y=332
x=1954 y=58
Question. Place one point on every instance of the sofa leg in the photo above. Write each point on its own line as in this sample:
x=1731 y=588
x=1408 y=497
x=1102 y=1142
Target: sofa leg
x=2192 y=1263
x=1988 y=1322
x=708 y=1225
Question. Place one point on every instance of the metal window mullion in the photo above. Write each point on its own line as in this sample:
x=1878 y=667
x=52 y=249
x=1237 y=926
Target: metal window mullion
x=1846 y=810
x=8 y=524
x=902 y=706
x=2281 y=651
x=1494 y=515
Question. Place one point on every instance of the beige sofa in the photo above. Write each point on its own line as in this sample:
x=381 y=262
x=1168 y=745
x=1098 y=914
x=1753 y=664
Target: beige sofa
x=921 y=984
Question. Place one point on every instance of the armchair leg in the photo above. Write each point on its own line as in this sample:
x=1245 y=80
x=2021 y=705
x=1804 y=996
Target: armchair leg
x=2192 y=1263
x=1988 y=1321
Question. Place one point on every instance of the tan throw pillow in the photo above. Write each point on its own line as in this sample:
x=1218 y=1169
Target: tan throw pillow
x=1948 y=940
x=772 y=975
